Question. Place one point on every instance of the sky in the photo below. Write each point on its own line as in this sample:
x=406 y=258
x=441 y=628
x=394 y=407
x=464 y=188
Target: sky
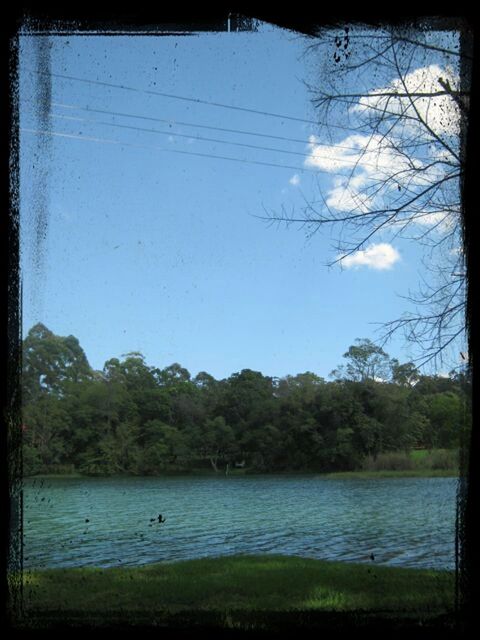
x=134 y=240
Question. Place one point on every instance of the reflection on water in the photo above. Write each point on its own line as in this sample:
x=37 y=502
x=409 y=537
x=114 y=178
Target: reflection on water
x=71 y=522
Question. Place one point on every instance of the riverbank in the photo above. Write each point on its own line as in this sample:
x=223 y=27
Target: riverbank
x=231 y=585
x=420 y=463
x=410 y=473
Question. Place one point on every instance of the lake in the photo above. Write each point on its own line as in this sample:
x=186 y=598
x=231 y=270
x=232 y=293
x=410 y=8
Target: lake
x=106 y=522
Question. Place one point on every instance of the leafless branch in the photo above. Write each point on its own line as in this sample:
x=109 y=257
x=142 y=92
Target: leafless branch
x=411 y=188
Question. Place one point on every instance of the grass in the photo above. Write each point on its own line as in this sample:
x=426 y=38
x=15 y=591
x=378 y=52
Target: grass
x=419 y=463
x=227 y=586
x=367 y=474
x=388 y=473
x=419 y=454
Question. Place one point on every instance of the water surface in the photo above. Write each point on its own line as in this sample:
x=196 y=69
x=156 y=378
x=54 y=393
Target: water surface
x=77 y=522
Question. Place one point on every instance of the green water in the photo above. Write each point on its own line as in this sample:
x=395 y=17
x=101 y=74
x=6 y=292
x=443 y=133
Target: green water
x=71 y=522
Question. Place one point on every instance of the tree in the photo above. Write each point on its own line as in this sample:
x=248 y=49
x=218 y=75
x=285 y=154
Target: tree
x=130 y=418
x=48 y=426
x=262 y=446
x=172 y=375
x=337 y=407
x=405 y=374
x=214 y=441
x=50 y=362
x=246 y=400
x=392 y=107
x=302 y=385
x=365 y=361
x=164 y=446
x=446 y=418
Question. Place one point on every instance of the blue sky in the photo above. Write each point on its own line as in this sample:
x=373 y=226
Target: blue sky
x=163 y=252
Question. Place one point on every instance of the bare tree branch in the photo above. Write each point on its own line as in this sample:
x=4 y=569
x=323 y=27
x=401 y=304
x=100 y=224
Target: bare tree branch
x=398 y=170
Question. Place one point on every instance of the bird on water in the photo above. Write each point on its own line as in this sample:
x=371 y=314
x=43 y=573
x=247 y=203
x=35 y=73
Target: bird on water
x=160 y=519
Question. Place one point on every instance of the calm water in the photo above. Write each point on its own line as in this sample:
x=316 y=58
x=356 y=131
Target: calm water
x=404 y=522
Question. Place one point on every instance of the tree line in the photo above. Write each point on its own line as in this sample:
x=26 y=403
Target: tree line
x=132 y=418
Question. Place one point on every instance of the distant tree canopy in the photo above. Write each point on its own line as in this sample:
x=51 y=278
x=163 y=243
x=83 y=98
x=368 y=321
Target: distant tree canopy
x=132 y=418
x=50 y=361
x=366 y=361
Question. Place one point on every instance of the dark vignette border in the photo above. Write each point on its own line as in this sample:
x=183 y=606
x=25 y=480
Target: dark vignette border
x=95 y=21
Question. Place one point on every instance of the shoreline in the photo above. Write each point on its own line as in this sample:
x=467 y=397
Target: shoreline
x=347 y=475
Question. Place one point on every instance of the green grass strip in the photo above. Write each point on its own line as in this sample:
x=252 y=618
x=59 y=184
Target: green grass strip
x=260 y=582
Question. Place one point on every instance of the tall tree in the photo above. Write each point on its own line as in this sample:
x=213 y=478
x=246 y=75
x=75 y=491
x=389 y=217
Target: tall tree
x=365 y=361
x=49 y=362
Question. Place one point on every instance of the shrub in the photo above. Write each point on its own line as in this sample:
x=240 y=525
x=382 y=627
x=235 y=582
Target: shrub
x=60 y=469
x=441 y=459
x=389 y=461
x=32 y=463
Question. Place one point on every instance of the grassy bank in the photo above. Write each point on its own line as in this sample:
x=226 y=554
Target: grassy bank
x=419 y=460
x=420 y=463
x=412 y=473
x=236 y=584
x=385 y=473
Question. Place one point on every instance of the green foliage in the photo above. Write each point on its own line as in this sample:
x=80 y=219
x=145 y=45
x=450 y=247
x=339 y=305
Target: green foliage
x=445 y=413
x=131 y=418
x=392 y=461
x=32 y=462
x=405 y=374
x=436 y=460
x=441 y=459
x=49 y=361
x=365 y=361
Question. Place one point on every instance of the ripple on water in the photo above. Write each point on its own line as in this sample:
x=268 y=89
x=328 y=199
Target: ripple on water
x=407 y=522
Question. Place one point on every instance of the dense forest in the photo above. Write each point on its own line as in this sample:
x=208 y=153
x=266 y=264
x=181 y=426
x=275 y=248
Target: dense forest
x=132 y=418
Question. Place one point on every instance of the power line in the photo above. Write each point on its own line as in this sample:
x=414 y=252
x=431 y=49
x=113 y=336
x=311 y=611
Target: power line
x=180 y=135
x=179 y=123
x=188 y=99
x=344 y=159
x=189 y=153
x=173 y=96
x=200 y=126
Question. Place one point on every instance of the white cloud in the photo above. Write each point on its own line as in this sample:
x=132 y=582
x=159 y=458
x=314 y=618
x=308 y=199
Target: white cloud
x=295 y=180
x=444 y=220
x=441 y=113
x=377 y=256
x=370 y=161
x=371 y=168
x=375 y=155
x=372 y=164
x=346 y=194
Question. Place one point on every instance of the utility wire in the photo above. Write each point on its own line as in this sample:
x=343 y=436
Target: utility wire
x=178 y=122
x=200 y=126
x=179 y=135
x=344 y=159
x=188 y=99
x=171 y=95
x=189 y=153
